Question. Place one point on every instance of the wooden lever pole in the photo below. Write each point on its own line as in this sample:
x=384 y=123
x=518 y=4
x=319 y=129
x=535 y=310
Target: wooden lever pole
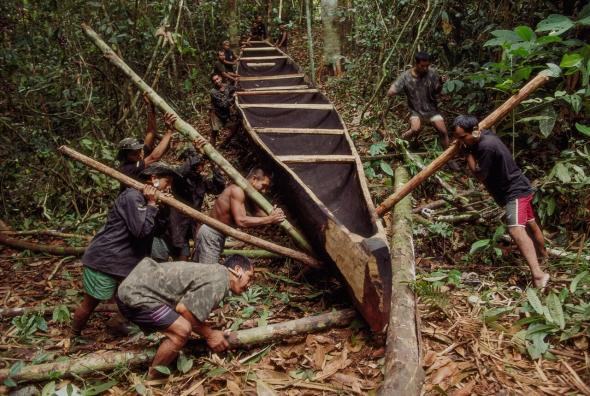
x=453 y=149
x=190 y=132
x=191 y=212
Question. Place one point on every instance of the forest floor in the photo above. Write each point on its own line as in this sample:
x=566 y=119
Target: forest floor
x=469 y=321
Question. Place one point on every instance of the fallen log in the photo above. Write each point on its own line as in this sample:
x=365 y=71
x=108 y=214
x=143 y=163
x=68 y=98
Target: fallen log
x=237 y=339
x=6 y=313
x=191 y=133
x=41 y=248
x=453 y=149
x=193 y=213
x=52 y=233
x=403 y=372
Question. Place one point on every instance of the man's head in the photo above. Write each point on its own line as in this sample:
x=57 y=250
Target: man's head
x=421 y=62
x=160 y=175
x=241 y=273
x=130 y=150
x=217 y=80
x=226 y=45
x=282 y=27
x=197 y=161
x=259 y=19
x=465 y=125
x=221 y=55
x=259 y=179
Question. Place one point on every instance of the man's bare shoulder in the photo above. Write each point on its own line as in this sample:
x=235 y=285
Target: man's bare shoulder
x=235 y=191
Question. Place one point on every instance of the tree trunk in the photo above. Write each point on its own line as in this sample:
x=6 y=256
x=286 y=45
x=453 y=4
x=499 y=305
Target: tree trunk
x=191 y=133
x=403 y=372
x=233 y=23
x=332 y=54
x=191 y=212
x=237 y=339
x=453 y=149
x=310 y=41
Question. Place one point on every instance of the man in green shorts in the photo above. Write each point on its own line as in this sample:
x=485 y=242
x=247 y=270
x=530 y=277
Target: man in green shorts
x=177 y=297
x=124 y=240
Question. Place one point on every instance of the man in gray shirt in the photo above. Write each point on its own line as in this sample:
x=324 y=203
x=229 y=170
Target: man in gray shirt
x=176 y=298
x=421 y=85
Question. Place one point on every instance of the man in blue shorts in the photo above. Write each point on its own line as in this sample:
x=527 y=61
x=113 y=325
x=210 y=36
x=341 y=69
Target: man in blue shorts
x=491 y=162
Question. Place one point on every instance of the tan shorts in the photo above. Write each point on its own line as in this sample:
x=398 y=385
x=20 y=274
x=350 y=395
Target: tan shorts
x=217 y=124
x=432 y=117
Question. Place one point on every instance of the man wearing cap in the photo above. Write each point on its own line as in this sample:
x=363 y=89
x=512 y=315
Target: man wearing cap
x=190 y=189
x=176 y=298
x=222 y=101
x=122 y=242
x=230 y=208
x=135 y=156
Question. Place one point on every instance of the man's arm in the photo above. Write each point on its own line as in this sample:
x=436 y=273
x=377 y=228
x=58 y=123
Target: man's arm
x=397 y=86
x=215 y=338
x=241 y=218
x=139 y=218
x=150 y=131
x=158 y=152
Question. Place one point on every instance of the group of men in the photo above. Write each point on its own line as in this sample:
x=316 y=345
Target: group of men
x=487 y=158
x=127 y=260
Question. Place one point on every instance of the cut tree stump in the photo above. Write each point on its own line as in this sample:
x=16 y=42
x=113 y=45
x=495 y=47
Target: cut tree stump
x=403 y=372
x=106 y=361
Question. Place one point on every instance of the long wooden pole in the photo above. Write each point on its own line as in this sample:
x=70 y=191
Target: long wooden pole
x=403 y=372
x=237 y=339
x=190 y=132
x=191 y=212
x=453 y=149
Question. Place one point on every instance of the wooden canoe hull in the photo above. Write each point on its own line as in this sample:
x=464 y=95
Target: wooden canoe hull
x=320 y=177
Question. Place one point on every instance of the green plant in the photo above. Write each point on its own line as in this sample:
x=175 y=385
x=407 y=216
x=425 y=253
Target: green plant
x=61 y=315
x=487 y=249
x=28 y=324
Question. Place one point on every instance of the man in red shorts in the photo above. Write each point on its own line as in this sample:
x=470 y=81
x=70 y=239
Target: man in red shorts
x=491 y=162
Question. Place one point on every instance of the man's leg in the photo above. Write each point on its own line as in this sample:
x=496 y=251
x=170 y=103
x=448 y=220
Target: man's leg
x=82 y=314
x=415 y=126
x=233 y=127
x=536 y=234
x=439 y=124
x=177 y=335
x=527 y=248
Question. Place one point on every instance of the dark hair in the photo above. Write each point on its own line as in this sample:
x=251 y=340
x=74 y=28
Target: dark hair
x=422 y=57
x=215 y=74
x=236 y=260
x=466 y=121
x=258 y=173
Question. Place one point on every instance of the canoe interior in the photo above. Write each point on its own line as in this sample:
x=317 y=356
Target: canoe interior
x=328 y=195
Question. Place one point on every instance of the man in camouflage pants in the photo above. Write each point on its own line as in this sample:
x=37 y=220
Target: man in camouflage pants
x=176 y=298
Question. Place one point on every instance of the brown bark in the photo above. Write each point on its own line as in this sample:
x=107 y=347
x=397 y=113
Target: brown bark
x=403 y=372
x=193 y=213
x=453 y=149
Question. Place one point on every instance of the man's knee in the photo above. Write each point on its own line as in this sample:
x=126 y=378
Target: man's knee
x=415 y=124
x=179 y=332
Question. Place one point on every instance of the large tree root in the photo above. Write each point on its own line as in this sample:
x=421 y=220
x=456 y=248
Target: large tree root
x=105 y=361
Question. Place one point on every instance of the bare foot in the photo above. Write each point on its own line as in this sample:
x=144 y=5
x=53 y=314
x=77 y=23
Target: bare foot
x=541 y=283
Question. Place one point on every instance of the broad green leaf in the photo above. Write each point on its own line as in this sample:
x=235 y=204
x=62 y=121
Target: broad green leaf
x=140 y=388
x=533 y=299
x=576 y=281
x=571 y=60
x=584 y=21
x=216 y=372
x=556 y=310
x=555 y=24
x=101 y=388
x=48 y=389
x=562 y=172
x=525 y=33
x=163 y=369
x=16 y=368
x=548 y=39
x=538 y=346
x=522 y=74
x=184 y=364
x=378 y=148
x=569 y=333
x=507 y=35
x=583 y=129
x=493 y=314
x=478 y=245
x=386 y=168
x=9 y=382
x=546 y=125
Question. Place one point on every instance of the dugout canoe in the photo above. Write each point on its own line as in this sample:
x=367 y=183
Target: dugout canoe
x=318 y=172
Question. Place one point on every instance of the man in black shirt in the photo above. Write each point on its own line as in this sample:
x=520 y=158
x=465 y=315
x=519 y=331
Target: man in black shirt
x=124 y=240
x=134 y=156
x=220 y=68
x=222 y=101
x=491 y=162
x=230 y=59
x=259 y=30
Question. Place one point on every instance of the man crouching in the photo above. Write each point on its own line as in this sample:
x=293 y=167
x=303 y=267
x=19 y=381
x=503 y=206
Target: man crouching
x=176 y=298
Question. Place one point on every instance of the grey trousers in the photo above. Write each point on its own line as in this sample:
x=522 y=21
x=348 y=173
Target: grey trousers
x=209 y=245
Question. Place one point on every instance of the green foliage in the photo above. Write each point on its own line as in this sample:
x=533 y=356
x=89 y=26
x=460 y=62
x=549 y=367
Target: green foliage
x=487 y=249
x=184 y=364
x=61 y=315
x=28 y=324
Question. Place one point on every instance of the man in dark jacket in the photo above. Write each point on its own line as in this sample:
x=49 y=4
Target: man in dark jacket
x=491 y=162
x=222 y=116
x=124 y=240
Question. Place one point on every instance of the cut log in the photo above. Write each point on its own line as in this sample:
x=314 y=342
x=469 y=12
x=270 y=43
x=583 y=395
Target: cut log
x=6 y=313
x=190 y=132
x=41 y=248
x=453 y=149
x=250 y=253
x=106 y=361
x=273 y=77
x=193 y=213
x=403 y=372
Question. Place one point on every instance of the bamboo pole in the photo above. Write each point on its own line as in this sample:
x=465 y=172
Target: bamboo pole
x=250 y=253
x=41 y=248
x=237 y=339
x=190 y=132
x=453 y=149
x=191 y=212
x=403 y=372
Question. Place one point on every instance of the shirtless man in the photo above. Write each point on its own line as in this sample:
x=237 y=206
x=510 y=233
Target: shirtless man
x=230 y=209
